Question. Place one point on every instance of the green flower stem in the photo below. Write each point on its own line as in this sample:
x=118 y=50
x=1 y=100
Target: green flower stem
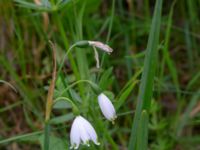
x=96 y=89
x=80 y=44
x=65 y=56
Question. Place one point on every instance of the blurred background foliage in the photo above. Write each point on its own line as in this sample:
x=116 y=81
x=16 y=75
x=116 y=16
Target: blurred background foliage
x=26 y=63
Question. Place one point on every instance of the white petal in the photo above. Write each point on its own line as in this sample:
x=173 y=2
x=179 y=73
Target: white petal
x=75 y=135
x=107 y=107
x=85 y=137
x=82 y=131
x=90 y=130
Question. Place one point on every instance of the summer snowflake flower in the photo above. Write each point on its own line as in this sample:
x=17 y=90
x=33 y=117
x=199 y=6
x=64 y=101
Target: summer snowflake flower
x=107 y=107
x=82 y=131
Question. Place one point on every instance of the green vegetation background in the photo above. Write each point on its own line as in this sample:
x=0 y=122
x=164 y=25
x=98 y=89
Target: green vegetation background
x=26 y=62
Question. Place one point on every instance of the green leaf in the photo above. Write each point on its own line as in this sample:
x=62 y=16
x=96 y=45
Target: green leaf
x=55 y=143
x=106 y=79
x=75 y=96
x=109 y=94
x=169 y=61
x=29 y=5
x=61 y=119
x=62 y=105
x=125 y=94
x=126 y=90
x=63 y=4
x=45 y=3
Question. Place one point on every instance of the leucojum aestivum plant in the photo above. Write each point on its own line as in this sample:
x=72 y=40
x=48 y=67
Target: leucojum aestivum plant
x=82 y=131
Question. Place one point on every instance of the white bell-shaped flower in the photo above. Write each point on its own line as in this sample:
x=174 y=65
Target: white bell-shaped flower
x=107 y=107
x=82 y=131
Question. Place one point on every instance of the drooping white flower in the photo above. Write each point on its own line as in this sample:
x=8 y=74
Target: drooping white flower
x=82 y=131
x=107 y=107
x=101 y=46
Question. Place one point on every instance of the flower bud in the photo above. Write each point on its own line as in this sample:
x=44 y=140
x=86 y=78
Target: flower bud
x=107 y=107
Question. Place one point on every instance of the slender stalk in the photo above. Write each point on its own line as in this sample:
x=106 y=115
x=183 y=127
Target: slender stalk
x=49 y=102
x=109 y=30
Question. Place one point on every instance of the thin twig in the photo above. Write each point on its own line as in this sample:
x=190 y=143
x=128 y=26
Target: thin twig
x=52 y=85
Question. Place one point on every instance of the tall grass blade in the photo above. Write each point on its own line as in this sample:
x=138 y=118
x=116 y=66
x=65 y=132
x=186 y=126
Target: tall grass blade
x=169 y=61
x=146 y=86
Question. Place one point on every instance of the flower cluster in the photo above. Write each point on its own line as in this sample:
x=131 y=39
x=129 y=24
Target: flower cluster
x=82 y=130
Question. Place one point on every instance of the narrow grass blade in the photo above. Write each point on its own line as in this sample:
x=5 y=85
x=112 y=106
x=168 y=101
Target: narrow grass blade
x=127 y=89
x=169 y=61
x=142 y=135
x=146 y=86
x=186 y=116
x=189 y=45
x=29 y=5
x=10 y=85
x=21 y=137
x=125 y=94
